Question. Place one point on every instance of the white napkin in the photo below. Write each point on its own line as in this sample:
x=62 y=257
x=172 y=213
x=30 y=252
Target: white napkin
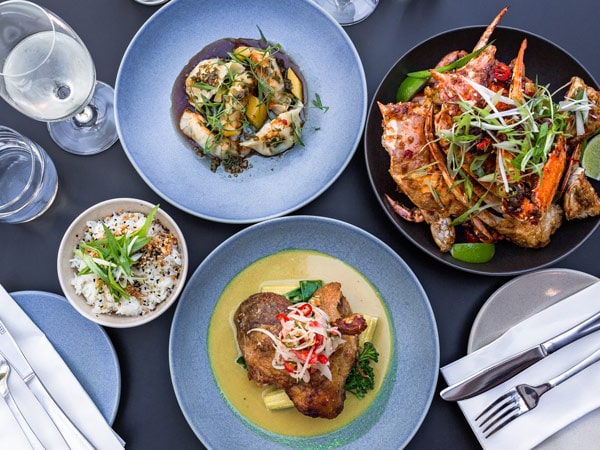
x=60 y=382
x=558 y=407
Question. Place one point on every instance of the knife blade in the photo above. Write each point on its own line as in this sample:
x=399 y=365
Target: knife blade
x=498 y=373
x=12 y=352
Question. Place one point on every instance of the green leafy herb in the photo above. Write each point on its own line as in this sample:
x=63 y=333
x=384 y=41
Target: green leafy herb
x=318 y=104
x=361 y=378
x=111 y=257
x=304 y=292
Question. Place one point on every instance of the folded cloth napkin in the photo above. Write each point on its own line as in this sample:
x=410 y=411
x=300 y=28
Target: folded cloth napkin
x=558 y=407
x=58 y=380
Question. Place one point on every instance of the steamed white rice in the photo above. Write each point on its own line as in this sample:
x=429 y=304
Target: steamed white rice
x=159 y=265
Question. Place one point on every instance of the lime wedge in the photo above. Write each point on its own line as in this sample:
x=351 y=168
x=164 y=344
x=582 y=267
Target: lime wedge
x=591 y=158
x=478 y=252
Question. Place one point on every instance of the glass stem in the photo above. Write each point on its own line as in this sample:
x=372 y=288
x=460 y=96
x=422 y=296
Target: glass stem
x=87 y=116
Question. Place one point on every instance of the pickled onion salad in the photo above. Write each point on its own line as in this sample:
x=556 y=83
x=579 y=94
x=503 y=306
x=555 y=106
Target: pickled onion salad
x=305 y=342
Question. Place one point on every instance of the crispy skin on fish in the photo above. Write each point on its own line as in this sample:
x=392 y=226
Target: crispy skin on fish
x=319 y=397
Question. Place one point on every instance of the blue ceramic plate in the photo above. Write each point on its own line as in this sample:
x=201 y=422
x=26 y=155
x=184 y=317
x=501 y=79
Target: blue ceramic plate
x=73 y=336
x=272 y=186
x=408 y=389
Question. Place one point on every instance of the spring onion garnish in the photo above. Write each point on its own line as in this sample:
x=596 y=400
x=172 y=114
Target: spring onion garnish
x=305 y=342
x=111 y=258
x=521 y=135
x=580 y=106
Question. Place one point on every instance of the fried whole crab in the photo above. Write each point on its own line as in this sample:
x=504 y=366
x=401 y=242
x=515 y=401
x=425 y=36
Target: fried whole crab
x=486 y=148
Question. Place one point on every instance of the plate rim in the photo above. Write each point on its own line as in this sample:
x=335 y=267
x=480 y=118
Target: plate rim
x=116 y=400
x=496 y=296
x=297 y=203
x=389 y=376
x=466 y=267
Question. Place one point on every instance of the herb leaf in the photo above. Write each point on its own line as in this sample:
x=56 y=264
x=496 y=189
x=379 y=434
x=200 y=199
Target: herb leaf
x=304 y=292
x=361 y=378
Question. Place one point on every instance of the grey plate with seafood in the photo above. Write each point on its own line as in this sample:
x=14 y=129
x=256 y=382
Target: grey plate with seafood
x=554 y=66
x=272 y=186
x=505 y=308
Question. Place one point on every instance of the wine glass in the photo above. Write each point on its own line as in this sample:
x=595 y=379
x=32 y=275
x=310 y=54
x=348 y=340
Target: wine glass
x=348 y=12
x=47 y=73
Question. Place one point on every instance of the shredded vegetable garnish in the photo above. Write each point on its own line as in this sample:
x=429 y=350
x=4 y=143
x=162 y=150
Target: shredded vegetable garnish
x=305 y=342
x=514 y=138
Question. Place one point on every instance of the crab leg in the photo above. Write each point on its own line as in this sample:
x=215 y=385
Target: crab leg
x=485 y=37
x=516 y=86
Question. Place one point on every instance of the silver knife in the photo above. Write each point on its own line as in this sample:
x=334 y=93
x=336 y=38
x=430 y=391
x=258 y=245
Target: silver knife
x=11 y=351
x=498 y=373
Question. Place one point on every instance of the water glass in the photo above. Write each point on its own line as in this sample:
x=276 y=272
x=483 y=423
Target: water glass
x=28 y=180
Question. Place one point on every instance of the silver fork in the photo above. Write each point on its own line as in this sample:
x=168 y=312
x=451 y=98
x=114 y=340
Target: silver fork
x=14 y=408
x=523 y=398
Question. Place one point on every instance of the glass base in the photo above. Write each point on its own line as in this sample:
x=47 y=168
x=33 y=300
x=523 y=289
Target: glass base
x=348 y=12
x=92 y=131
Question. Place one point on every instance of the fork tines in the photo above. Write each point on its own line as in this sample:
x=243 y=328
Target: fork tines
x=500 y=412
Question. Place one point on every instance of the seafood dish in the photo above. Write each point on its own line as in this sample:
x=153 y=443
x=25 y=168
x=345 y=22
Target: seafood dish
x=307 y=348
x=239 y=97
x=484 y=153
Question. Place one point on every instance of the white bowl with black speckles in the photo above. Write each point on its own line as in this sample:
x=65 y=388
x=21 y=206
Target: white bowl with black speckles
x=72 y=237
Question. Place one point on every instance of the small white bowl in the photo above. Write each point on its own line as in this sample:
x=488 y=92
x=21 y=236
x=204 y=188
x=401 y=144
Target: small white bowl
x=73 y=236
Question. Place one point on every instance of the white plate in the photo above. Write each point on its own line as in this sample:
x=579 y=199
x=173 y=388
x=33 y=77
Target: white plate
x=273 y=186
x=404 y=399
x=514 y=302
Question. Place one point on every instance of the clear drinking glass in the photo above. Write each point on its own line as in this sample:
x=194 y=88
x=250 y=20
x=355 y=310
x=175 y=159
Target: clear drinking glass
x=348 y=12
x=28 y=180
x=47 y=73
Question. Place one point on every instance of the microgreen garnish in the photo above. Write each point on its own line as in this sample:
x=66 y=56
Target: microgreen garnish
x=111 y=258
x=519 y=136
x=317 y=103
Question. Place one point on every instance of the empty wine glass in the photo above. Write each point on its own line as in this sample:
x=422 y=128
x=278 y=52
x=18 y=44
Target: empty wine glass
x=348 y=12
x=47 y=73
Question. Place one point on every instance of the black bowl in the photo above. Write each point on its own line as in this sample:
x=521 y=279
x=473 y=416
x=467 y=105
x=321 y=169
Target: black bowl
x=552 y=65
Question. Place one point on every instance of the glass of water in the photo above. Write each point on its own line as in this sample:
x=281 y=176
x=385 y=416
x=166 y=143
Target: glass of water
x=48 y=74
x=28 y=180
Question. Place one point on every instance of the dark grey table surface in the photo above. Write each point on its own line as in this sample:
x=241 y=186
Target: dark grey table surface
x=149 y=416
